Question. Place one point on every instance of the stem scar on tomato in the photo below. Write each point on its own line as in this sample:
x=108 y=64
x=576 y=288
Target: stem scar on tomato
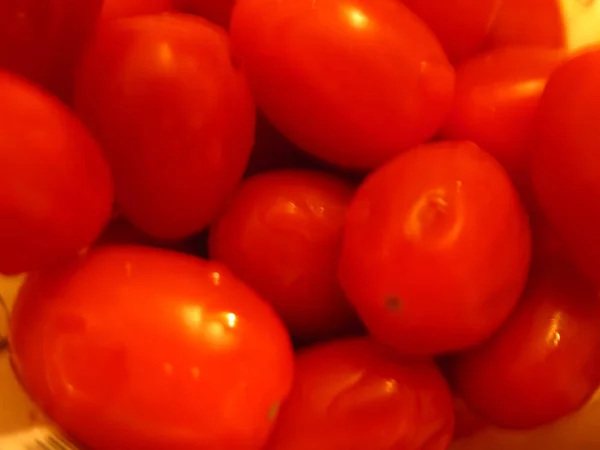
x=393 y=303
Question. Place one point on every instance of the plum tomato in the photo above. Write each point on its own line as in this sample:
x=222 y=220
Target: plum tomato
x=495 y=103
x=282 y=234
x=42 y=39
x=175 y=117
x=353 y=82
x=436 y=249
x=135 y=348
x=113 y=9
x=55 y=191
x=544 y=363
x=217 y=11
x=461 y=26
x=565 y=163
x=354 y=394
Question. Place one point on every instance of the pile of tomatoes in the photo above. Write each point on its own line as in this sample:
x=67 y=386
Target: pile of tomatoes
x=301 y=224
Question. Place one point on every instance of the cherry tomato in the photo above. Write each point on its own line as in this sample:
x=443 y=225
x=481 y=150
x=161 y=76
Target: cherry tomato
x=282 y=234
x=163 y=350
x=55 y=190
x=462 y=26
x=565 y=165
x=42 y=39
x=436 y=249
x=217 y=11
x=353 y=82
x=496 y=99
x=545 y=361
x=354 y=394
x=112 y=9
x=175 y=117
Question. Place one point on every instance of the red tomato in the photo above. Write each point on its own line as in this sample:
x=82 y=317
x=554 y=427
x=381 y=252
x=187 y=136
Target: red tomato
x=217 y=11
x=113 y=9
x=55 y=189
x=355 y=395
x=175 y=117
x=42 y=39
x=436 y=249
x=461 y=25
x=565 y=164
x=545 y=361
x=162 y=350
x=282 y=234
x=497 y=94
x=353 y=82
x=466 y=422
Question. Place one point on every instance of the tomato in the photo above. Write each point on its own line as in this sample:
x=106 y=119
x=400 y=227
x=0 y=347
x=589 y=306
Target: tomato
x=217 y=11
x=436 y=249
x=462 y=26
x=282 y=234
x=42 y=39
x=112 y=9
x=174 y=115
x=466 y=422
x=354 y=394
x=164 y=350
x=545 y=361
x=496 y=99
x=565 y=167
x=353 y=82
x=55 y=190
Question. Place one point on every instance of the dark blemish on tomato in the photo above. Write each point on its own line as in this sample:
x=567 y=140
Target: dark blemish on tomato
x=3 y=343
x=273 y=411
x=393 y=303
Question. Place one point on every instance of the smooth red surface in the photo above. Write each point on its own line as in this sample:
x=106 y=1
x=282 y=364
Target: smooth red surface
x=42 y=39
x=545 y=361
x=497 y=94
x=461 y=26
x=55 y=190
x=436 y=249
x=217 y=11
x=565 y=164
x=136 y=348
x=353 y=82
x=282 y=234
x=466 y=422
x=355 y=395
x=113 y=9
x=174 y=115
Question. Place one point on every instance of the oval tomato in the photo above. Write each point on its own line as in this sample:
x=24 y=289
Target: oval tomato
x=544 y=363
x=217 y=11
x=497 y=94
x=164 y=350
x=282 y=234
x=113 y=9
x=175 y=117
x=565 y=164
x=436 y=239
x=55 y=190
x=354 y=394
x=353 y=82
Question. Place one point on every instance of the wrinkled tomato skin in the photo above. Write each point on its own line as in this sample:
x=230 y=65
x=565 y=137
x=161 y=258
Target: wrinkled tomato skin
x=42 y=39
x=461 y=26
x=323 y=74
x=354 y=394
x=565 y=168
x=496 y=99
x=217 y=11
x=114 y=9
x=56 y=191
x=544 y=362
x=137 y=348
x=436 y=239
x=175 y=118
x=281 y=233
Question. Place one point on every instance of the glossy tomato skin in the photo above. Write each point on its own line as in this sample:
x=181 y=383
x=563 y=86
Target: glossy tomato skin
x=323 y=74
x=461 y=26
x=175 y=117
x=217 y=11
x=42 y=39
x=497 y=94
x=56 y=190
x=544 y=362
x=436 y=239
x=113 y=9
x=354 y=394
x=282 y=234
x=137 y=348
x=565 y=167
